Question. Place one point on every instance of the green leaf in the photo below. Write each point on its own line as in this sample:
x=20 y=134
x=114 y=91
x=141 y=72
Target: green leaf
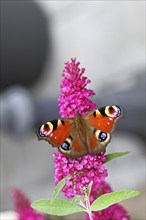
x=59 y=186
x=90 y=187
x=109 y=199
x=113 y=156
x=78 y=198
x=59 y=207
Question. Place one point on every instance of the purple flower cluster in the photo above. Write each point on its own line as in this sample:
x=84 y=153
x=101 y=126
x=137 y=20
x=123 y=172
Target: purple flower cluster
x=83 y=170
x=114 y=212
x=74 y=94
x=23 y=208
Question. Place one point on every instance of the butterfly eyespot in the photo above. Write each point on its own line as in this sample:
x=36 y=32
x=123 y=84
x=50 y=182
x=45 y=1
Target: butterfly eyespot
x=102 y=136
x=46 y=127
x=118 y=111
x=66 y=146
x=113 y=111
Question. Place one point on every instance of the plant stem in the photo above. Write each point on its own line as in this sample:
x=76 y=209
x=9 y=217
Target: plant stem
x=88 y=207
x=90 y=214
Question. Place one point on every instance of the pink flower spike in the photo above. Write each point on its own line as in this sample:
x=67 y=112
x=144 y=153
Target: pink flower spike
x=74 y=94
x=23 y=208
x=75 y=97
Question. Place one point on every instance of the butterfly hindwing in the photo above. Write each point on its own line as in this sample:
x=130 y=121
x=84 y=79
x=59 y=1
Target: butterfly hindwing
x=98 y=141
x=73 y=147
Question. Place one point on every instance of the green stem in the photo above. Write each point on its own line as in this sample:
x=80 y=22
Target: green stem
x=88 y=207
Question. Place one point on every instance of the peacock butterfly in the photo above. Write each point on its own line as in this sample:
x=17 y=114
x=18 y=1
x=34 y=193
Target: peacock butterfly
x=82 y=135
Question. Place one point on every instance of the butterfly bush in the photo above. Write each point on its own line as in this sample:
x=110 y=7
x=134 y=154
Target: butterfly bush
x=75 y=97
x=23 y=208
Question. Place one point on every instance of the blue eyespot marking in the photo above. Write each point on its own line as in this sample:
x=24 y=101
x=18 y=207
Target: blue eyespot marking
x=102 y=136
x=66 y=146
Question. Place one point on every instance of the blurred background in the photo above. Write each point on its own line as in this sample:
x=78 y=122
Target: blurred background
x=37 y=37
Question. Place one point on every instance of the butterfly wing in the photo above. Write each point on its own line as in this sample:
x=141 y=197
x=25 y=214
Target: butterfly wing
x=64 y=135
x=104 y=118
x=56 y=131
x=102 y=122
x=73 y=147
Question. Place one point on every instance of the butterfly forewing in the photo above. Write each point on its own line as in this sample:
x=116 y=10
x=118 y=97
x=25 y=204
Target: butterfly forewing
x=58 y=131
x=104 y=118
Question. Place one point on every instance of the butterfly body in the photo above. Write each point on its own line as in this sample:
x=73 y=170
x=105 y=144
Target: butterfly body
x=84 y=134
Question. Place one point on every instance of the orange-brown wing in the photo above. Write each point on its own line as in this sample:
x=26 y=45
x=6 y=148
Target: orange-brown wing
x=102 y=122
x=104 y=118
x=55 y=132
x=97 y=141
x=61 y=133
